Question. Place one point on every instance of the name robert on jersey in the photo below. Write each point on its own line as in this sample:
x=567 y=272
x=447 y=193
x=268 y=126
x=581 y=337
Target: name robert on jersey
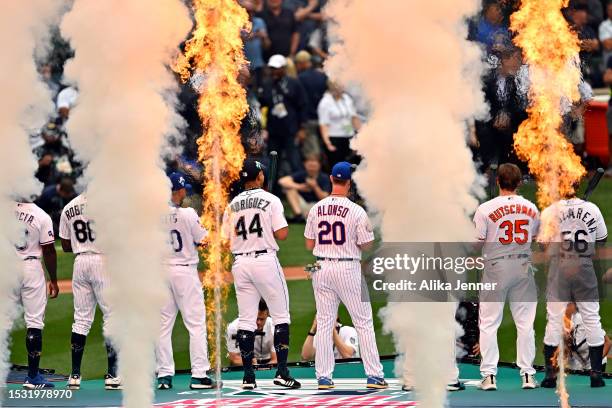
x=75 y=211
x=250 y=202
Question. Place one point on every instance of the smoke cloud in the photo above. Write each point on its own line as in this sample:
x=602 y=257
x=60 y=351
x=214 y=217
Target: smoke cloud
x=423 y=80
x=122 y=53
x=25 y=104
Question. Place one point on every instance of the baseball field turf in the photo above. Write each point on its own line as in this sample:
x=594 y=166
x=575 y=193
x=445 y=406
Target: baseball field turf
x=56 y=344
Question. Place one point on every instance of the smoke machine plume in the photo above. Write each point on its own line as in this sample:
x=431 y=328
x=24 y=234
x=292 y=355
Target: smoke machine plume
x=123 y=50
x=404 y=77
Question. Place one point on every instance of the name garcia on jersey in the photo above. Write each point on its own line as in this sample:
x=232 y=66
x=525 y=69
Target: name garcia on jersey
x=24 y=217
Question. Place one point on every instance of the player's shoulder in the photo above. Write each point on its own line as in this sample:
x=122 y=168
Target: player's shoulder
x=186 y=212
x=592 y=207
x=80 y=199
x=347 y=331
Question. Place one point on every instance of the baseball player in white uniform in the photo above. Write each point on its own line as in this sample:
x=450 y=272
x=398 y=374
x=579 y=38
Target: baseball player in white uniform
x=579 y=228
x=506 y=225
x=31 y=293
x=337 y=230
x=185 y=234
x=253 y=222
x=263 y=353
x=89 y=281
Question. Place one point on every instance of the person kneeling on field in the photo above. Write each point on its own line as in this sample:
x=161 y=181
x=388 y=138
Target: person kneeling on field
x=346 y=344
x=576 y=340
x=264 y=352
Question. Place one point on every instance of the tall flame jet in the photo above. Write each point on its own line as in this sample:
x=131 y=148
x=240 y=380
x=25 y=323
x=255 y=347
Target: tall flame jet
x=215 y=52
x=551 y=50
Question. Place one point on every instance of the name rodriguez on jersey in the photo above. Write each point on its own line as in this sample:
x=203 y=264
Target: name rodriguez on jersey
x=431 y=285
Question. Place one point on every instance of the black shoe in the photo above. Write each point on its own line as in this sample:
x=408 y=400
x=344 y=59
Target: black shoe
x=596 y=380
x=204 y=383
x=458 y=386
x=285 y=380
x=549 y=382
x=248 y=382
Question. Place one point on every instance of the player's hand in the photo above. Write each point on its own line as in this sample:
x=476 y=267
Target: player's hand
x=312 y=183
x=476 y=349
x=331 y=147
x=53 y=290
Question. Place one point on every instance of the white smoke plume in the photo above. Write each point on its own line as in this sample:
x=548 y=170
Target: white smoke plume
x=423 y=80
x=25 y=104
x=122 y=52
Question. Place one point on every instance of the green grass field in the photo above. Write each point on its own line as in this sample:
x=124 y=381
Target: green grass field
x=56 y=346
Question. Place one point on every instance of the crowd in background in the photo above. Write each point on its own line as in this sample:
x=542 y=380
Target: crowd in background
x=310 y=119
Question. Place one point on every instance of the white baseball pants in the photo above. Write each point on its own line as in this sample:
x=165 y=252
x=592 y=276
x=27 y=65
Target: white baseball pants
x=516 y=283
x=89 y=281
x=589 y=311
x=31 y=293
x=186 y=296
x=341 y=281
x=257 y=277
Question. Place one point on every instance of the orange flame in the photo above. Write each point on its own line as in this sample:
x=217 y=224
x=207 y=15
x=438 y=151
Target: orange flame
x=551 y=50
x=214 y=56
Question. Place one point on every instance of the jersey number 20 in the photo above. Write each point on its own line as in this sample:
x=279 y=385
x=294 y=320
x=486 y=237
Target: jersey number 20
x=254 y=227
x=336 y=230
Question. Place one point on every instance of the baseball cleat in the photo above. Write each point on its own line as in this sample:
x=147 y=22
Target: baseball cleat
x=488 y=383
x=112 y=383
x=376 y=382
x=458 y=386
x=597 y=381
x=287 y=381
x=204 y=383
x=549 y=382
x=37 y=382
x=164 y=383
x=325 y=383
x=407 y=388
x=74 y=382
x=529 y=382
x=248 y=382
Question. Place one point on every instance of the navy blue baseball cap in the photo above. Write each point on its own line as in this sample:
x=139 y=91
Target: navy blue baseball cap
x=342 y=170
x=179 y=181
x=250 y=169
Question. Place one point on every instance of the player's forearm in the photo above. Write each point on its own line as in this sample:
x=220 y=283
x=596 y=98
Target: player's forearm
x=607 y=346
x=50 y=259
x=308 y=350
x=344 y=349
x=273 y=358
x=235 y=359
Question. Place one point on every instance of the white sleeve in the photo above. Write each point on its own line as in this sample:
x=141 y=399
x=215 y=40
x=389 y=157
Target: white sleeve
x=232 y=343
x=350 y=105
x=480 y=225
x=226 y=228
x=323 y=112
x=278 y=216
x=535 y=230
x=197 y=230
x=349 y=337
x=365 y=232
x=64 y=227
x=601 y=230
x=310 y=229
x=67 y=98
x=46 y=231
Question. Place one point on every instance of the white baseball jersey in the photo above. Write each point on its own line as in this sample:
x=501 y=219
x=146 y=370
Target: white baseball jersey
x=338 y=226
x=348 y=335
x=37 y=231
x=251 y=220
x=578 y=220
x=264 y=345
x=76 y=226
x=186 y=233
x=507 y=225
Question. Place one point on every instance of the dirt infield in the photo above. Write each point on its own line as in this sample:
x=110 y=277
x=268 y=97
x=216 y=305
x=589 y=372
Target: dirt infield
x=291 y=273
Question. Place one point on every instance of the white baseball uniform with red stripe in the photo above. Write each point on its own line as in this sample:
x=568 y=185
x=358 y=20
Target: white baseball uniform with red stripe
x=507 y=225
x=31 y=291
x=338 y=227
x=579 y=224
x=250 y=222
x=89 y=277
x=185 y=233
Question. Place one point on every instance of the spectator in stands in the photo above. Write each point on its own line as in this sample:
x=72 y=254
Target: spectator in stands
x=575 y=339
x=338 y=122
x=607 y=78
x=605 y=34
x=286 y=102
x=310 y=17
x=305 y=188
x=282 y=29
x=255 y=42
x=54 y=198
x=594 y=9
x=506 y=96
x=346 y=344
x=263 y=353
x=589 y=44
x=314 y=82
x=490 y=29
x=66 y=99
x=573 y=121
x=55 y=158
